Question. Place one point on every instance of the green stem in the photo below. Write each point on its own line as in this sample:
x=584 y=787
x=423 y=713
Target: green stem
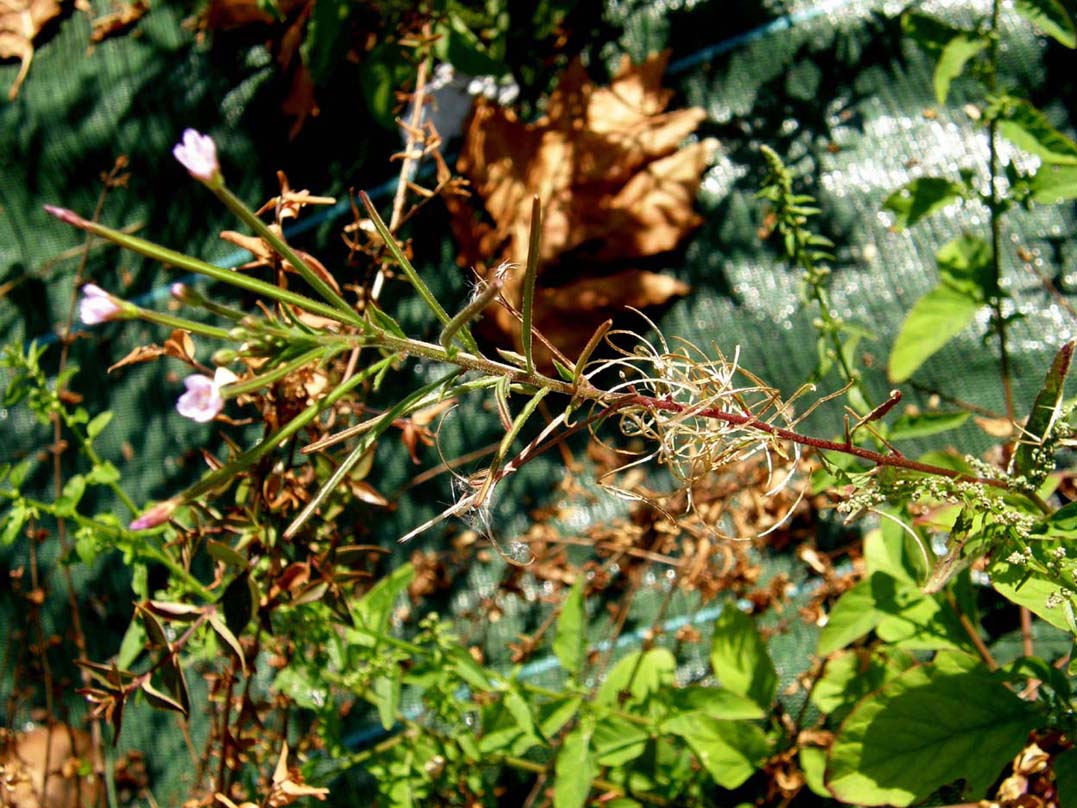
x=995 y=205
x=172 y=321
x=236 y=205
x=319 y=354
x=186 y=262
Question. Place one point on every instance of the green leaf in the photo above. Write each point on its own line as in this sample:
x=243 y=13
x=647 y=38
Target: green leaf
x=1054 y=184
x=965 y=266
x=729 y=750
x=383 y=71
x=640 y=675
x=15 y=518
x=934 y=320
x=951 y=64
x=1051 y=17
x=925 y=424
x=1046 y=412
x=229 y=639
x=1062 y=522
x=97 y=424
x=616 y=741
x=1018 y=585
x=225 y=553
x=459 y=46
x=103 y=473
x=925 y=729
x=852 y=617
x=553 y=715
x=385 y=691
x=912 y=619
x=1065 y=768
x=739 y=658
x=1028 y=128
x=913 y=201
x=134 y=639
x=928 y=32
x=575 y=769
x=813 y=764
x=68 y=502
x=714 y=701
x=160 y=700
x=326 y=39
x=372 y=611
x=851 y=675
x=570 y=643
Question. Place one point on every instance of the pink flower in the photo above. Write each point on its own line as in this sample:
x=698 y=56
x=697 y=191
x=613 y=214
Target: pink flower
x=97 y=305
x=198 y=154
x=203 y=399
x=157 y=515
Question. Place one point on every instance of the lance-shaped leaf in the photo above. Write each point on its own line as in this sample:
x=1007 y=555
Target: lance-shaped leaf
x=1046 y=411
x=1051 y=17
x=570 y=642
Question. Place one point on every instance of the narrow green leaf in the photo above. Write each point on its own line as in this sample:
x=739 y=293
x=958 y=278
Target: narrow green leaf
x=920 y=198
x=1045 y=413
x=934 y=320
x=229 y=639
x=98 y=423
x=373 y=610
x=553 y=715
x=951 y=64
x=1028 y=128
x=14 y=520
x=575 y=769
x=527 y=310
x=1051 y=17
x=570 y=642
x=386 y=694
x=924 y=729
x=226 y=554
x=740 y=659
x=160 y=700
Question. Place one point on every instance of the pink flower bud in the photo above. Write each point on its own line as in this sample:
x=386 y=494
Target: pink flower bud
x=198 y=154
x=157 y=515
x=203 y=400
x=97 y=305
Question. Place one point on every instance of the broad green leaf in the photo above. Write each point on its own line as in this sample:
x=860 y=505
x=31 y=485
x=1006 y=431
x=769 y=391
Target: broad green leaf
x=1062 y=522
x=1028 y=128
x=729 y=750
x=459 y=46
x=1054 y=184
x=1015 y=583
x=851 y=675
x=925 y=729
x=69 y=499
x=912 y=619
x=925 y=424
x=1045 y=413
x=951 y=64
x=616 y=741
x=934 y=320
x=570 y=642
x=1065 y=768
x=641 y=674
x=383 y=70
x=1051 y=17
x=913 y=201
x=965 y=266
x=739 y=658
x=714 y=701
x=928 y=32
x=813 y=764
x=575 y=769
x=852 y=617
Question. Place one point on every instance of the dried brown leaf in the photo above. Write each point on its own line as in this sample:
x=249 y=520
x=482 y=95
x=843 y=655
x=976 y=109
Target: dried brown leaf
x=20 y=23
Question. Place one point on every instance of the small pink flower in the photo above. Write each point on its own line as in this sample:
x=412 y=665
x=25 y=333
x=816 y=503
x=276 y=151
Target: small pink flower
x=157 y=515
x=198 y=154
x=203 y=399
x=97 y=305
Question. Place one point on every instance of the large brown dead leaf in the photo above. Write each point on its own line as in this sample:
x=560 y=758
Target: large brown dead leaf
x=614 y=187
x=21 y=21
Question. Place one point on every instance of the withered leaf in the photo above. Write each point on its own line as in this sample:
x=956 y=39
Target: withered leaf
x=615 y=186
x=20 y=23
x=118 y=22
x=143 y=353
